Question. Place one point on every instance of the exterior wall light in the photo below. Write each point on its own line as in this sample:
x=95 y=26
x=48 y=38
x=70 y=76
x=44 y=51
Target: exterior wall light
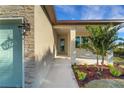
x=26 y=27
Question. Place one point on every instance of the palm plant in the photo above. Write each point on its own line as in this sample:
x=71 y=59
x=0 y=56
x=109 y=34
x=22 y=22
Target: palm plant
x=93 y=44
x=102 y=39
x=108 y=38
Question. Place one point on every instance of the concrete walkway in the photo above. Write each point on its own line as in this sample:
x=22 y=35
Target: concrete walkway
x=60 y=75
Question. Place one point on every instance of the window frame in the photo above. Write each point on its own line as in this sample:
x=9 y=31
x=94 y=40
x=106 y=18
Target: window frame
x=81 y=40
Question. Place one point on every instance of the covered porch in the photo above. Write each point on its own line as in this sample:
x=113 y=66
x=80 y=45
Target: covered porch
x=68 y=39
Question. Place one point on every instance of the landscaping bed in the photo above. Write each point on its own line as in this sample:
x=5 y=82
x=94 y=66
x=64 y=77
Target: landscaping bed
x=86 y=73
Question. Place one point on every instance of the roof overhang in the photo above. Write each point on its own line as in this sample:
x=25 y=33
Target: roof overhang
x=50 y=13
x=86 y=22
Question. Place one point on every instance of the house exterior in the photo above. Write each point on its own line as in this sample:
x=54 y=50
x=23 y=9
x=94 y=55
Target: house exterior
x=30 y=39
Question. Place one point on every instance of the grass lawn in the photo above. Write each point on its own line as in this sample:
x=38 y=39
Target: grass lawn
x=118 y=59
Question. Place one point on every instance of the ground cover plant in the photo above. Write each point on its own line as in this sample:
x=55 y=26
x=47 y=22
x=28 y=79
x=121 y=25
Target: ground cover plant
x=86 y=73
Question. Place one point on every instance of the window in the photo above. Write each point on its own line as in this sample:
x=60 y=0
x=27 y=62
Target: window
x=77 y=42
x=84 y=40
x=62 y=45
x=81 y=41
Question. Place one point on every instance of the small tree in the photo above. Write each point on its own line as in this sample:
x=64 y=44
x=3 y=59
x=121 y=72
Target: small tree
x=108 y=39
x=102 y=39
x=93 y=44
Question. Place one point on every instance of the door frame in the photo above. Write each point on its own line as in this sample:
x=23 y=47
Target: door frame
x=22 y=21
x=65 y=37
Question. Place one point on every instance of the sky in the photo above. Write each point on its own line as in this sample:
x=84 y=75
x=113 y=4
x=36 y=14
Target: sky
x=90 y=12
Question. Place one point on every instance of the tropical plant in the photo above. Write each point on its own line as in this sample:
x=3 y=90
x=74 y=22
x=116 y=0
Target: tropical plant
x=108 y=39
x=102 y=39
x=93 y=44
x=81 y=75
x=110 y=66
x=76 y=70
x=75 y=66
x=114 y=71
x=86 y=65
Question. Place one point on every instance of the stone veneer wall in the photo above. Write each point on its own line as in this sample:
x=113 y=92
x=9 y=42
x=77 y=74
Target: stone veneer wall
x=10 y=11
x=26 y=11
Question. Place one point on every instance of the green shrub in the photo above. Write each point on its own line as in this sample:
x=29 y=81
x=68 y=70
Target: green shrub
x=115 y=72
x=75 y=66
x=118 y=51
x=76 y=71
x=81 y=75
x=110 y=66
x=86 y=65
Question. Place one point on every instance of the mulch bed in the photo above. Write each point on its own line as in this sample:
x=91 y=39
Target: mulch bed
x=93 y=74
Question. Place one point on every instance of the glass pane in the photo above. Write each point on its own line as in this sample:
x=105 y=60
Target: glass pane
x=62 y=45
x=84 y=40
x=77 y=42
x=10 y=56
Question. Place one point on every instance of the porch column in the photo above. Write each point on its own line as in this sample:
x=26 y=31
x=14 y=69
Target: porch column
x=72 y=46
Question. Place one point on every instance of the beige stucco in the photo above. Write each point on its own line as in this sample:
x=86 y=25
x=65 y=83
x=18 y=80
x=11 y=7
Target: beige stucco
x=44 y=38
x=44 y=45
x=82 y=33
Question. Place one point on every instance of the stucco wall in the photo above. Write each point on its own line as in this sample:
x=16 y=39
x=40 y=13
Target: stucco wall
x=44 y=45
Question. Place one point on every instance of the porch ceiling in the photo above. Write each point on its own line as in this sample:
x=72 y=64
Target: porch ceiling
x=65 y=29
x=61 y=31
x=69 y=26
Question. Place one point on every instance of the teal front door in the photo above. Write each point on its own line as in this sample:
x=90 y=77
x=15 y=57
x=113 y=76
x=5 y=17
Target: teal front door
x=10 y=54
